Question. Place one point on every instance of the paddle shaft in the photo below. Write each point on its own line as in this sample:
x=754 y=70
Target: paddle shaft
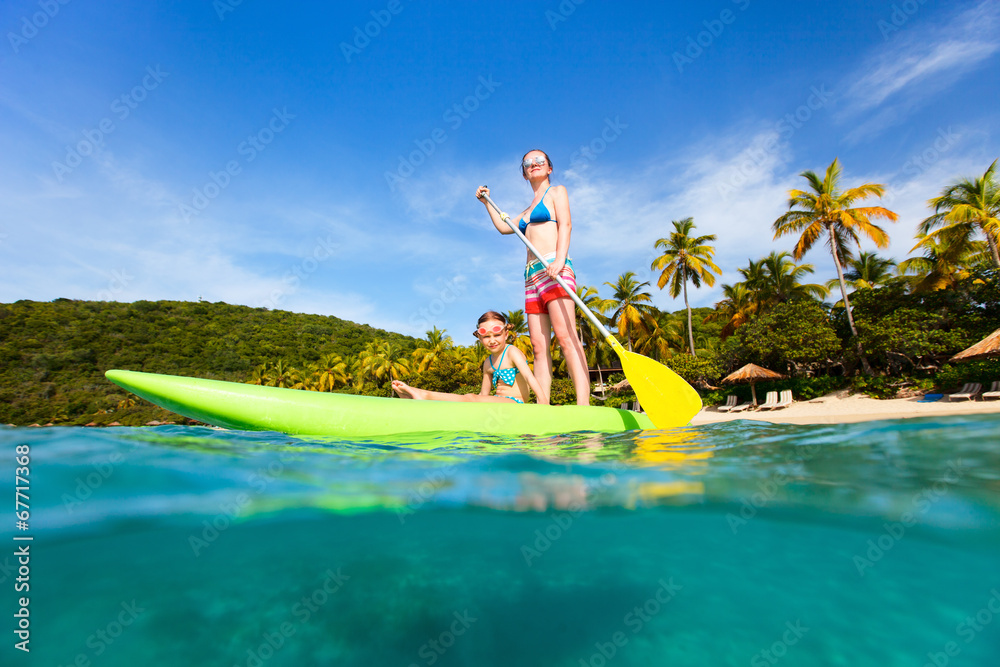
x=570 y=292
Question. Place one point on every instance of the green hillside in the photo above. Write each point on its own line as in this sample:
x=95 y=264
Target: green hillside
x=53 y=355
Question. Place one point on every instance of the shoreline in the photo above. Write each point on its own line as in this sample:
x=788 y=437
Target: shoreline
x=841 y=408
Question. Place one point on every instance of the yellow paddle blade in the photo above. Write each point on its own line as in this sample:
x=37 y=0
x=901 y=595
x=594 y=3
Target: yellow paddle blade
x=666 y=398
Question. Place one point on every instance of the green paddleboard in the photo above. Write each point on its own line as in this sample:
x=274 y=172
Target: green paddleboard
x=297 y=412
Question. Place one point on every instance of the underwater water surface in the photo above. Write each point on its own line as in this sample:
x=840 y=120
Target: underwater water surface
x=743 y=543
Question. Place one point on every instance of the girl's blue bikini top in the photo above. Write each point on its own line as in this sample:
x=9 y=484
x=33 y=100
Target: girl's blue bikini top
x=508 y=375
x=536 y=215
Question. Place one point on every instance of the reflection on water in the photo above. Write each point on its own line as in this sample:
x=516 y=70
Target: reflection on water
x=695 y=546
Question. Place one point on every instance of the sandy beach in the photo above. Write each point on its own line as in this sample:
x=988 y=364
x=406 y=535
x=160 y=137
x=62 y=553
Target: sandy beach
x=841 y=408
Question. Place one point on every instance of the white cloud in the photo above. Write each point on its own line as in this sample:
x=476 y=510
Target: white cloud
x=917 y=65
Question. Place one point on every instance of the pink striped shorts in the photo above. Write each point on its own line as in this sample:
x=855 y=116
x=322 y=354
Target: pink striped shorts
x=540 y=289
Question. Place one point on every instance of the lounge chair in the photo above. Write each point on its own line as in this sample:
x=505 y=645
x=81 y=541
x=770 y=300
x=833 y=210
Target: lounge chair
x=770 y=402
x=730 y=403
x=994 y=391
x=785 y=400
x=741 y=407
x=967 y=393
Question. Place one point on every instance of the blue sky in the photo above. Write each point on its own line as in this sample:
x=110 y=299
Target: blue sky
x=323 y=157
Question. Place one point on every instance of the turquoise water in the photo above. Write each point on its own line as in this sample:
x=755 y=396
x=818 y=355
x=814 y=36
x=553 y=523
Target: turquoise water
x=733 y=544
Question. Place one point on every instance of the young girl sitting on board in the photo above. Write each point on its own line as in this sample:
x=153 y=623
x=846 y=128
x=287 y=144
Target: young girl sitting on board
x=506 y=370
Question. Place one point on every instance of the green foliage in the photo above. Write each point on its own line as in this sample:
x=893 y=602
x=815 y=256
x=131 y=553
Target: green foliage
x=53 y=355
x=890 y=386
x=878 y=386
x=616 y=400
x=901 y=331
x=795 y=333
x=951 y=377
x=563 y=393
x=803 y=389
x=446 y=375
x=907 y=335
x=693 y=369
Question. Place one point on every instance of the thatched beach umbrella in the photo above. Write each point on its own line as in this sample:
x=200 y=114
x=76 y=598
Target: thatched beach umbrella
x=986 y=348
x=752 y=373
x=624 y=384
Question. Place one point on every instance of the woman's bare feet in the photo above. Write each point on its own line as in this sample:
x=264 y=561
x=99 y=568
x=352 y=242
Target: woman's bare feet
x=404 y=390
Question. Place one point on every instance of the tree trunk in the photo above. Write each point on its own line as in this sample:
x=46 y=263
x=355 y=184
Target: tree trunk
x=688 y=307
x=865 y=366
x=993 y=247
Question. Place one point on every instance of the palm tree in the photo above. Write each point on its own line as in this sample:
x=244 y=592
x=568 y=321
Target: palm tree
x=663 y=332
x=594 y=348
x=828 y=211
x=282 y=375
x=588 y=334
x=519 y=333
x=782 y=280
x=437 y=344
x=737 y=307
x=330 y=372
x=867 y=271
x=968 y=207
x=470 y=357
x=947 y=260
x=393 y=362
x=685 y=258
x=628 y=305
x=379 y=361
x=259 y=374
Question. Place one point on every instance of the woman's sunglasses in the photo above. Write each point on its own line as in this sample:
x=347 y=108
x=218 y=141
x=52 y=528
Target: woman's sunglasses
x=540 y=161
x=495 y=329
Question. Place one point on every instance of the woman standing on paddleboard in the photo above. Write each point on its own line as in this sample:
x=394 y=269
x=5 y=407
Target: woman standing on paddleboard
x=546 y=223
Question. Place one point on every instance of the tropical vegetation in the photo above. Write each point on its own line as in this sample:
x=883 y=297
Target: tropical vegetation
x=877 y=325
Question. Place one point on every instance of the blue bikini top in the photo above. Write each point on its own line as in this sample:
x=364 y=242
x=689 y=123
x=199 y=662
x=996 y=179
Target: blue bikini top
x=536 y=215
x=508 y=375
